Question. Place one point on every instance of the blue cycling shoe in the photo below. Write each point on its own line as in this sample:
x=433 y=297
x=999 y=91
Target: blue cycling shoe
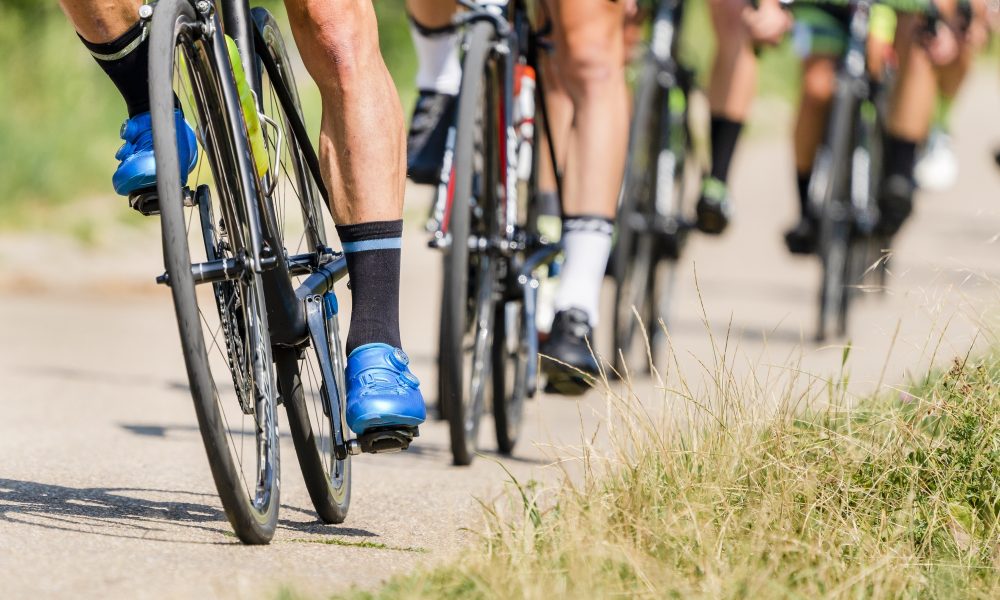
x=382 y=393
x=137 y=171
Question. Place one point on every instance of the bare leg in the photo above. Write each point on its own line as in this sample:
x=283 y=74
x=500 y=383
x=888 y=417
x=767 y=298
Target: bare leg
x=362 y=146
x=589 y=63
x=589 y=58
x=913 y=99
x=818 y=81
x=100 y=21
x=733 y=80
x=432 y=13
x=559 y=109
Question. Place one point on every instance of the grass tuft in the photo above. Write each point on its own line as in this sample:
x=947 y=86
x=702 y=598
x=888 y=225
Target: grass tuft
x=332 y=541
x=895 y=497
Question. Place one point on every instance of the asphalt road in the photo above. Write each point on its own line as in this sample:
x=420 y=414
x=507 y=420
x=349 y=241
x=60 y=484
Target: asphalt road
x=105 y=490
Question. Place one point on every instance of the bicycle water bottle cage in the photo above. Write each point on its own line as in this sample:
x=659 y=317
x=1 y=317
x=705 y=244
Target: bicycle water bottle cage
x=387 y=440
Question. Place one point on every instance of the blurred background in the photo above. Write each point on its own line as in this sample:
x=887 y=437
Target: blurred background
x=103 y=478
x=60 y=117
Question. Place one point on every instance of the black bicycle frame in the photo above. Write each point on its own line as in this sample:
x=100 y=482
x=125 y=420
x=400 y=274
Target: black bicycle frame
x=285 y=304
x=510 y=41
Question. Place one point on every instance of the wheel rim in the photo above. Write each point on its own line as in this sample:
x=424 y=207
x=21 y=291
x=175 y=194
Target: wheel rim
x=232 y=314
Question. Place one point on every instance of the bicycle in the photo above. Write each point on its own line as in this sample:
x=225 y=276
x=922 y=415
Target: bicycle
x=845 y=183
x=492 y=254
x=651 y=228
x=265 y=331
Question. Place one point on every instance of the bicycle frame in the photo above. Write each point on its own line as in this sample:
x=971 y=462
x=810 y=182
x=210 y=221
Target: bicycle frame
x=509 y=42
x=296 y=315
x=287 y=314
x=514 y=38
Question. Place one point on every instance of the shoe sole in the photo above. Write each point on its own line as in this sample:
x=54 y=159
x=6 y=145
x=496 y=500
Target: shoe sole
x=895 y=206
x=711 y=219
x=565 y=380
x=368 y=422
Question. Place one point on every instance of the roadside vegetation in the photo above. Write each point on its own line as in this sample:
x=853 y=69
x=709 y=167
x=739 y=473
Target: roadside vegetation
x=60 y=117
x=896 y=497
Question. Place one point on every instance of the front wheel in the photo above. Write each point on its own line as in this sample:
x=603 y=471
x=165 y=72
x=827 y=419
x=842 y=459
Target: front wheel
x=223 y=327
x=471 y=273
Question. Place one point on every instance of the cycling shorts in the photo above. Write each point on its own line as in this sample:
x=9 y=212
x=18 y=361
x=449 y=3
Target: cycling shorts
x=822 y=29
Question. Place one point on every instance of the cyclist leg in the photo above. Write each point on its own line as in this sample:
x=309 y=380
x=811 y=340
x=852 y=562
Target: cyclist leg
x=439 y=76
x=731 y=88
x=363 y=157
x=937 y=165
x=910 y=113
x=589 y=58
x=820 y=38
x=114 y=37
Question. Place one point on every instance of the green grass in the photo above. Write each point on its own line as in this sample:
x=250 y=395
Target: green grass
x=60 y=115
x=897 y=497
x=332 y=541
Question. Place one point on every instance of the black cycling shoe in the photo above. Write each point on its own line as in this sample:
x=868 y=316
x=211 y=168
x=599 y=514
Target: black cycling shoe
x=895 y=203
x=713 y=208
x=567 y=360
x=801 y=239
x=425 y=144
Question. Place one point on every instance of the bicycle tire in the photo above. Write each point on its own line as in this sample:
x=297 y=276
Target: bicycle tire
x=510 y=358
x=327 y=478
x=174 y=26
x=656 y=159
x=836 y=222
x=463 y=407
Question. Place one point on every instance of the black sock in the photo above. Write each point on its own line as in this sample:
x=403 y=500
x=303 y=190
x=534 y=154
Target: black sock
x=724 y=134
x=802 y=180
x=900 y=156
x=373 y=255
x=126 y=61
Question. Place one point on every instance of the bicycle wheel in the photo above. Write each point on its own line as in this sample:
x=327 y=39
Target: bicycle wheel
x=294 y=208
x=832 y=172
x=649 y=228
x=224 y=327
x=510 y=359
x=864 y=169
x=470 y=276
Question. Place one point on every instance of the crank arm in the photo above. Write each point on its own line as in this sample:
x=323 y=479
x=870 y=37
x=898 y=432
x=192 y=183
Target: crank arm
x=316 y=322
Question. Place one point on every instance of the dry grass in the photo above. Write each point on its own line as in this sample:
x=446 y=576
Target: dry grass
x=804 y=496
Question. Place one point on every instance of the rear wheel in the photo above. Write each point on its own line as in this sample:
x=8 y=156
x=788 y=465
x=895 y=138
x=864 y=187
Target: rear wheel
x=470 y=274
x=223 y=327
x=296 y=212
x=649 y=228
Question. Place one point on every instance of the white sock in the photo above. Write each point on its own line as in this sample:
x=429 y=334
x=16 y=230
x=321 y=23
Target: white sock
x=587 y=246
x=437 y=56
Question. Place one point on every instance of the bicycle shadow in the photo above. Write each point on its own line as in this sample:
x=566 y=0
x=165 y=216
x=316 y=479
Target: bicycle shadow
x=441 y=453
x=78 y=375
x=135 y=513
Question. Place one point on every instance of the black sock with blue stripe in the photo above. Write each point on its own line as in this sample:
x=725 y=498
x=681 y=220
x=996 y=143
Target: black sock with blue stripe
x=373 y=257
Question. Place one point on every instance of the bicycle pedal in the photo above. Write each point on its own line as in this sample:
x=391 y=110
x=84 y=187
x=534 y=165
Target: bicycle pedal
x=147 y=200
x=387 y=440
